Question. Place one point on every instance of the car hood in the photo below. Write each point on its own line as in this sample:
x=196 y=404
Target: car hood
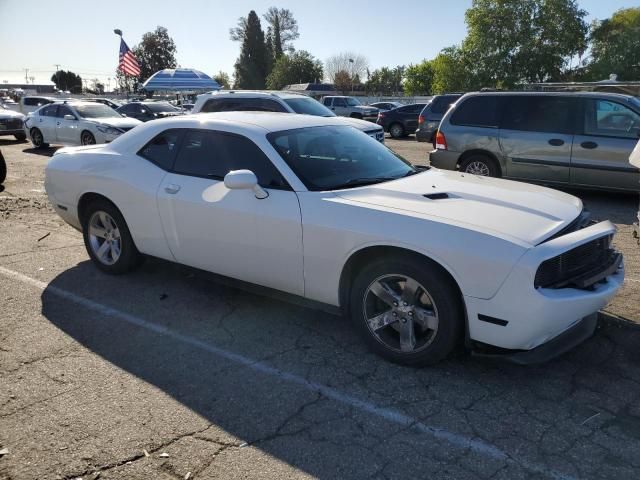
x=11 y=114
x=515 y=211
x=119 y=122
x=359 y=124
x=364 y=108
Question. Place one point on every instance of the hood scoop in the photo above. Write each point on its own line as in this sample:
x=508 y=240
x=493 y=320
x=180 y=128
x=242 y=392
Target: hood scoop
x=436 y=196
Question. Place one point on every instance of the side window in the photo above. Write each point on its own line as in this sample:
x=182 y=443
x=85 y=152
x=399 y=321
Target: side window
x=162 y=149
x=480 y=111
x=270 y=106
x=49 y=111
x=339 y=102
x=415 y=108
x=550 y=114
x=30 y=101
x=206 y=153
x=211 y=105
x=326 y=102
x=441 y=104
x=62 y=111
x=605 y=118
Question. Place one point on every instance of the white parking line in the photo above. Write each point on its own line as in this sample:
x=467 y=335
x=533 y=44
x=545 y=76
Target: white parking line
x=388 y=414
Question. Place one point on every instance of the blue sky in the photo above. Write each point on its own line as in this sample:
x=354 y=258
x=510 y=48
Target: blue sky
x=78 y=34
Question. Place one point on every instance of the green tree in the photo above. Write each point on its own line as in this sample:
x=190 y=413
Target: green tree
x=284 y=28
x=418 y=79
x=252 y=64
x=524 y=40
x=385 y=80
x=155 y=52
x=616 y=46
x=67 y=81
x=296 y=67
x=223 y=79
x=451 y=72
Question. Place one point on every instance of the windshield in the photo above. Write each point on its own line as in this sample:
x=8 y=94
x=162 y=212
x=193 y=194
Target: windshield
x=96 y=111
x=309 y=106
x=336 y=157
x=161 y=107
x=352 y=102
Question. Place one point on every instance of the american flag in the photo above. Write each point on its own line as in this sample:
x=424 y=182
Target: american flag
x=128 y=63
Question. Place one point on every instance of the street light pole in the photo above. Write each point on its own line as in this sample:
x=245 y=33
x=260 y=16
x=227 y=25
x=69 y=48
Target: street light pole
x=351 y=62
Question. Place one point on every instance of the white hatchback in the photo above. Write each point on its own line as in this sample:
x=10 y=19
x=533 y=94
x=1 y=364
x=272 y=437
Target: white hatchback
x=76 y=123
x=421 y=259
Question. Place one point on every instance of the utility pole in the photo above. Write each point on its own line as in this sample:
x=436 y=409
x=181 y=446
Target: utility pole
x=26 y=75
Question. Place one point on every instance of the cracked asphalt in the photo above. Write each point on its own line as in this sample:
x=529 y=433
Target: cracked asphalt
x=168 y=373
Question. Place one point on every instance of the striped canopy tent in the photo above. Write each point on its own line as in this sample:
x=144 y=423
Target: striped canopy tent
x=180 y=80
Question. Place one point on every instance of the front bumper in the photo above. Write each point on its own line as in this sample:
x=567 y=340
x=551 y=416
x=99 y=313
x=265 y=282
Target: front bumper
x=521 y=317
x=12 y=128
x=370 y=118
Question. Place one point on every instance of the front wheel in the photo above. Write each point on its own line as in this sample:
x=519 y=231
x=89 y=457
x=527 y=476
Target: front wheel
x=408 y=311
x=21 y=137
x=87 y=138
x=108 y=240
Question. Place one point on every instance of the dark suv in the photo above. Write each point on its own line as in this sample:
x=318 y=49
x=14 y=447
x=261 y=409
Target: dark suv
x=560 y=138
x=431 y=114
x=401 y=121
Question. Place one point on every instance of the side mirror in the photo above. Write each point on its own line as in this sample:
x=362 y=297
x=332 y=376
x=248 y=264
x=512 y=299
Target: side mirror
x=123 y=114
x=244 y=180
x=69 y=117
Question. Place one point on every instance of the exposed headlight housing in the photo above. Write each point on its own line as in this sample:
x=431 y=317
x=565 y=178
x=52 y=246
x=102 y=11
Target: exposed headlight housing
x=109 y=130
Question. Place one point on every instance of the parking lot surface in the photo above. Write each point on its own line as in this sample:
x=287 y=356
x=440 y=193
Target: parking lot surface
x=166 y=374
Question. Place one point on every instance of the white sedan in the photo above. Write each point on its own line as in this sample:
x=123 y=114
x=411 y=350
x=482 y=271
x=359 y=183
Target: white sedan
x=421 y=260
x=76 y=123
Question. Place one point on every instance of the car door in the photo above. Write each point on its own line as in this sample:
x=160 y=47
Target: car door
x=608 y=132
x=67 y=131
x=231 y=232
x=340 y=107
x=45 y=121
x=536 y=136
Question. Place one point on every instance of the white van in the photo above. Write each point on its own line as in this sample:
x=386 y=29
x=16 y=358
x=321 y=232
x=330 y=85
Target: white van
x=30 y=104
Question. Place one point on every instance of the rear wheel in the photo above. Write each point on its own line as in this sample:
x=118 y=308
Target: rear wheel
x=480 y=165
x=108 y=240
x=408 y=312
x=37 y=138
x=21 y=137
x=3 y=169
x=396 y=130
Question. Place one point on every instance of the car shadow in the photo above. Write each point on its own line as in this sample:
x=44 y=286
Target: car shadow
x=46 y=152
x=5 y=141
x=281 y=416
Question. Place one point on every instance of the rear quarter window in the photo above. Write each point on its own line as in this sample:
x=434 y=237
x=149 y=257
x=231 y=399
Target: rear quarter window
x=480 y=111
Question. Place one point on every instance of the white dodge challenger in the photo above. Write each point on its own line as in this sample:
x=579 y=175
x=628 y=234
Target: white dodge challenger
x=422 y=260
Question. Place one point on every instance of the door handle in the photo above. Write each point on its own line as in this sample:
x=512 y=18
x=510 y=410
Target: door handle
x=57 y=123
x=172 y=188
x=589 y=145
x=556 y=142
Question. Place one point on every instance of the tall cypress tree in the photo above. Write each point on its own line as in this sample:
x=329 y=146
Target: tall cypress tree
x=251 y=68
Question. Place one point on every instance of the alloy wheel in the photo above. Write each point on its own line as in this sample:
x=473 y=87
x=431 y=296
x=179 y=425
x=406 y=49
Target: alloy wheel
x=400 y=313
x=87 y=139
x=478 y=168
x=104 y=238
x=37 y=137
x=396 y=131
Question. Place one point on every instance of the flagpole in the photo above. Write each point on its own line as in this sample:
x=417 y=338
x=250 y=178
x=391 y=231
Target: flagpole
x=118 y=32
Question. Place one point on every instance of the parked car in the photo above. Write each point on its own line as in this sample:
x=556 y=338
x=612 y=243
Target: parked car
x=105 y=101
x=634 y=160
x=9 y=104
x=145 y=111
x=3 y=169
x=578 y=139
x=431 y=114
x=420 y=259
x=350 y=107
x=283 y=102
x=76 y=123
x=30 y=104
x=384 y=106
x=11 y=123
x=401 y=121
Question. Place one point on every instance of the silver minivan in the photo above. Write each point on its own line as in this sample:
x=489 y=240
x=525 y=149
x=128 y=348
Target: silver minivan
x=580 y=139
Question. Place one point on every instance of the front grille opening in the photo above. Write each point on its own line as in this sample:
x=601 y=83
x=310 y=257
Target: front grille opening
x=579 y=267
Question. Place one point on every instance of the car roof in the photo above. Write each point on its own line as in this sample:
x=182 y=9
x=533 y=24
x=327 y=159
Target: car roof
x=253 y=94
x=612 y=96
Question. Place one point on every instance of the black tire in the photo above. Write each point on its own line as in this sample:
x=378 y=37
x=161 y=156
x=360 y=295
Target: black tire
x=37 y=138
x=87 y=138
x=438 y=287
x=475 y=164
x=129 y=257
x=396 y=130
x=21 y=137
x=3 y=169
